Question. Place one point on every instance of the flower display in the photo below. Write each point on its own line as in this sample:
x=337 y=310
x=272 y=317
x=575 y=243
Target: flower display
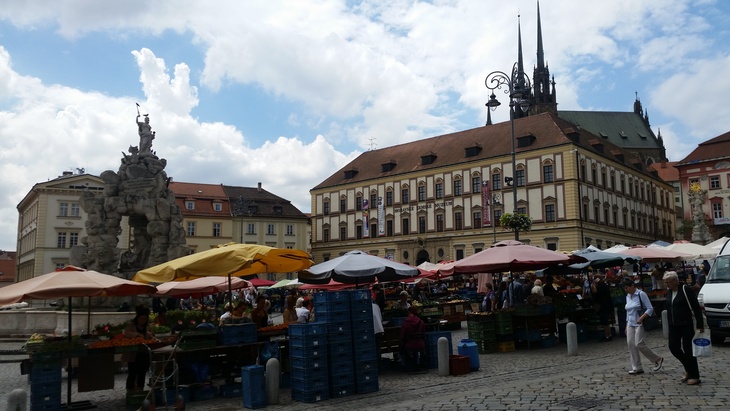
x=519 y=222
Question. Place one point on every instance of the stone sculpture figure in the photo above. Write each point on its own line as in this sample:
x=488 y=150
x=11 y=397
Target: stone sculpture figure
x=697 y=197
x=139 y=191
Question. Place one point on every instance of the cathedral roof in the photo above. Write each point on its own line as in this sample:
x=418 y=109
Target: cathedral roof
x=625 y=129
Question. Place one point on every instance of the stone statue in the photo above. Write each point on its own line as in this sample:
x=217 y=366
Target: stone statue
x=146 y=135
x=138 y=190
x=697 y=197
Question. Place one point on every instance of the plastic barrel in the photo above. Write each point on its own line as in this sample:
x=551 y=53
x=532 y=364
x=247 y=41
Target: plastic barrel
x=470 y=349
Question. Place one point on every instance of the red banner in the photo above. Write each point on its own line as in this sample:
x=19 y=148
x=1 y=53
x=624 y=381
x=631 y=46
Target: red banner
x=486 y=204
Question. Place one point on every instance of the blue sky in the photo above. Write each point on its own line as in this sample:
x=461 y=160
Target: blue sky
x=287 y=92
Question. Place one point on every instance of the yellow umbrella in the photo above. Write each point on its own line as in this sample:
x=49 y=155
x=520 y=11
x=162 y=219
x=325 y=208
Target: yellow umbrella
x=237 y=260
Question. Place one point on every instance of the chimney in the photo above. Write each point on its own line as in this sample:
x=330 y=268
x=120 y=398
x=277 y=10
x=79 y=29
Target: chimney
x=259 y=186
x=67 y=173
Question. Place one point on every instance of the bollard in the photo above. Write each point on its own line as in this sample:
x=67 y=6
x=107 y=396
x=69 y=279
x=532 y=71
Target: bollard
x=17 y=400
x=443 y=356
x=665 y=324
x=272 y=381
x=571 y=332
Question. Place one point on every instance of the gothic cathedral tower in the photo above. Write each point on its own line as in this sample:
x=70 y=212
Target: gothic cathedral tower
x=544 y=87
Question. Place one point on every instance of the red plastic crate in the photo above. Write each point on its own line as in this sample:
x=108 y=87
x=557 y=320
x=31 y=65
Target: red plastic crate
x=459 y=365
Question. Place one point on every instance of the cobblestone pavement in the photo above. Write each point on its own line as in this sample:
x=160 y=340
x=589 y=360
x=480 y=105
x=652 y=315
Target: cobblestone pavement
x=538 y=379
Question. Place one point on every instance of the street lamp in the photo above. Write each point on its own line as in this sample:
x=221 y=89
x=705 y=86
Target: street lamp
x=243 y=206
x=517 y=86
x=495 y=201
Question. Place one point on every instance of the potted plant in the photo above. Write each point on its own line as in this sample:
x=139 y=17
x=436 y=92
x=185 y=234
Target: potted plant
x=519 y=222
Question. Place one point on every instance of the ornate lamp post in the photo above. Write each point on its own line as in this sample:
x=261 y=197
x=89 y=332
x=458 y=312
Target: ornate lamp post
x=243 y=206
x=517 y=86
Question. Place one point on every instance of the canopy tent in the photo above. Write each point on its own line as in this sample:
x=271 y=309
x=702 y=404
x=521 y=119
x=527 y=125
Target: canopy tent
x=695 y=251
x=654 y=254
x=357 y=267
x=658 y=243
x=294 y=283
x=501 y=258
x=260 y=282
x=719 y=243
x=201 y=286
x=618 y=248
x=332 y=285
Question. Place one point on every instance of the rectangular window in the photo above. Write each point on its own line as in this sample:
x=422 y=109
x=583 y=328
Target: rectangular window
x=326 y=235
x=290 y=229
x=439 y=190
x=547 y=173
x=714 y=182
x=191 y=229
x=270 y=229
x=326 y=210
x=73 y=239
x=421 y=224
x=549 y=212
x=717 y=210
x=477 y=219
x=216 y=229
x=63 y=209
x=190 y=205
x=373 y=230
x=389 y=198
x=520 y=177
x=605 y=217
x=421 y=193
x=615 y=218
x=406 y=228
x=603 y=178
x=439 y=222
x=373 y=201
x=521 y=210
x=457 y=187
x=595 y=214
x=476 y=184
x=389 y=228
x=251 y=228
x=496 y=181
x=585 y=212
x=404 y=196
x=343 y=233
x=343 y=205
x=358 y=203
x=75 y=210
x=458 y=221
x=497 y=218
x=218 y=207
x=358 y=232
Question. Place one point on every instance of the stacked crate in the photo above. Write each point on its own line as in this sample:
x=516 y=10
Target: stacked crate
x=333 y=309
x=309 y=375
x=363 y=338
x=237 y=334
x=432 y=339
x=504 y=331
x=481 y=330
x=45 y=382
x=253 y=386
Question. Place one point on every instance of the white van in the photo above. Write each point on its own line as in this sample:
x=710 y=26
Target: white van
x=714 y=296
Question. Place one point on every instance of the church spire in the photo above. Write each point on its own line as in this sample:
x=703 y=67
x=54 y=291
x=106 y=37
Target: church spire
x=540 y=51
x=544 y=99
x=519 y=76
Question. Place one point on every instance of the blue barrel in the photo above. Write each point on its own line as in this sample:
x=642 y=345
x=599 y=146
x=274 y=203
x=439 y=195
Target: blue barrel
x=469 y=348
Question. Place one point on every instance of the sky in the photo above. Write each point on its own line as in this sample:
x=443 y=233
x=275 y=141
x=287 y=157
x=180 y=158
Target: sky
x=287 y=92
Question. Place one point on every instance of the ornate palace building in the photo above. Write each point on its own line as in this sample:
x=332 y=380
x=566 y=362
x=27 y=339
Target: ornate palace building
x=582 y=177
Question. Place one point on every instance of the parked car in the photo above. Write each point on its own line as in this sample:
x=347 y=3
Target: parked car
x=714 y=297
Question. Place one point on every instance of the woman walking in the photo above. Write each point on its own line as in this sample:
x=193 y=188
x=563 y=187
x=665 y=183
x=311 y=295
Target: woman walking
x=684 y=312
x=638 y=308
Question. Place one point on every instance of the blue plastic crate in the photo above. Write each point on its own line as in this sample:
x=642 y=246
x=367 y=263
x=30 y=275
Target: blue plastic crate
x=432 y=338
x=46 y=400
x=363 y=377
x=203 y=392
x=308 y=362
x=307 y=341
x=367 y=387
x=331 y=306
x=231 y=390
x=44 y=375
x=361 y=305
x=253 y=383
x=42 y=389
x=342 y=376
x=340 y=361
x=171 y=395
x=339 y=338
x=342 y=390
x=309 y=384
x=396 y=322
x=365 y=354
x=343 y=327
x=338 y=348
x=237 y=329
x=316 y=373
x=361 y=314
x=361 y=295
x=307 y=329
x=310 y=396
x=329 y=296
x=312 y=351
x=332 y=316
x=237 y=339
x=364 y=366
x=366 y=336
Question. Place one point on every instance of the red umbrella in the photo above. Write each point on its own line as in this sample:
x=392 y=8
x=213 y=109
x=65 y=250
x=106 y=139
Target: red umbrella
x=331 y=286
x=501 y=258
x=260 y=282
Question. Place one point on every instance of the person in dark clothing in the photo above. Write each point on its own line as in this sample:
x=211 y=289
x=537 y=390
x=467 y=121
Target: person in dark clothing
x=683 y=312
x=602 y=296
x=138 y=362
x=379 y=297
x=548 y=289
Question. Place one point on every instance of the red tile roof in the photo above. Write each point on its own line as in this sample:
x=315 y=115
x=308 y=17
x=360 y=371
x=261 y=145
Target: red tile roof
x=711 y=150
x=666 y=170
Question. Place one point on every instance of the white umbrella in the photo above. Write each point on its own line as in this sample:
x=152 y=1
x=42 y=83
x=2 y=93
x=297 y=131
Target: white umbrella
x=695 y=251
x=717 y=244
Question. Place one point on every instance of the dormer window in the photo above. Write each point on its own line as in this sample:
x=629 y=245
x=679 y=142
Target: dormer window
x=472 y=151
x=277 y=209
x=604 y=135
x=623 y=135
x=190 y=205
x=218 y=207
x=350 y=173
x=429 y=158
x=389 y=166
x=526 y=141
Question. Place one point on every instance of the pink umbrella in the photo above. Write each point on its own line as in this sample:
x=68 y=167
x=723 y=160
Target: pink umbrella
x=260 y=282
x=200 y=286
x=653 y=254
x=501 y=258
x=331 y=286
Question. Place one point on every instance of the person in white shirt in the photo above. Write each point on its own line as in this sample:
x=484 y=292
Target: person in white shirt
x=638 y=308
x=304 y=311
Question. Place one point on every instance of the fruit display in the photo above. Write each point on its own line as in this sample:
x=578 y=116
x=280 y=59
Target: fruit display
x=122 y=342
x=274 y=328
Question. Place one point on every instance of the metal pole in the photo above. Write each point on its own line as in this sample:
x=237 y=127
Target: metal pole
x=514 y=167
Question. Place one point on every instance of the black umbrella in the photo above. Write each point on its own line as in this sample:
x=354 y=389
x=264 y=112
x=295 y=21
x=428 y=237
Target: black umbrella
x=357 y=267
